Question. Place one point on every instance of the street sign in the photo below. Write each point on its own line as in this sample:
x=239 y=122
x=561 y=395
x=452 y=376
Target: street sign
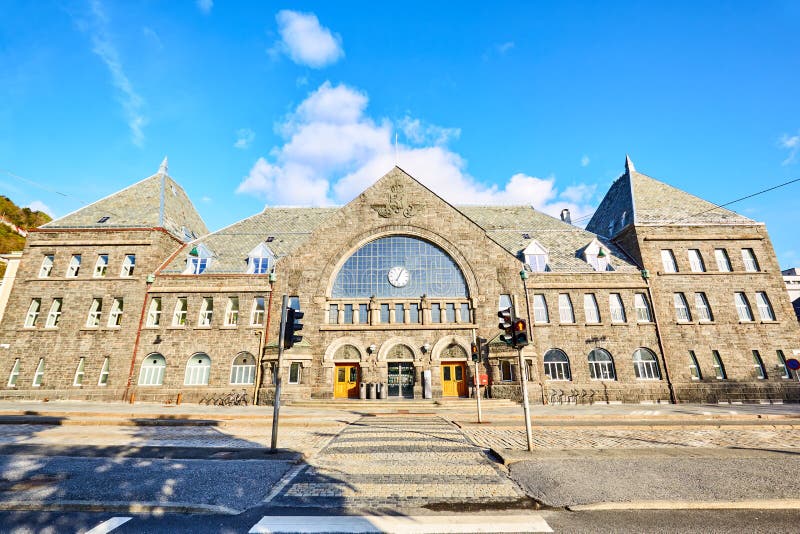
x=793 y=364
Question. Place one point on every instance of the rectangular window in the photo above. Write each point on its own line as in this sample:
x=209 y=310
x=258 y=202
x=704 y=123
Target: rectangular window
x=464 y=313
x=506 y=371
x=723 y=261
x=257 y=316
x=749 y=259
x=668 y=260
x=12 y=377
x=436 y=313
x=74 y=266
x=617 y=308
x=94 y=313
x=154 y=313
x=232 y=312
x=682 y=313
x=196 y=265
x=696 y=261
x=101 y=266
x=259 y=265
x=363 y=313
x=703 y=309
x=538 y=262
x=719 y=367
x=413 y=313
x=128 y=264
x=565 y=312
x=590 y=309
x=206 y=312
x=384 y=313
x=115 y=316
x=758 y=363
x=333 y=314
x=295 y=369
x=54 y=317
x=103 y=381
x=33 y=313
x=787 y=373
x=79 y=372
x=642 y=308
x=179 y=316
x=348 y=314
x=694 y=367
x=38 y=377
x=540 y=314
x=743 y=307
x=399 y=313
x=450 y=312
x=47 y=266
x=504 y=301
x=764 y=307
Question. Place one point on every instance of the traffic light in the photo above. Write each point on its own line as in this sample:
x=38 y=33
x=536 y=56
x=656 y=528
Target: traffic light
x=483 y=347
x=293 y=325
x=520 y=333
x=507 y=325
x=475 y=350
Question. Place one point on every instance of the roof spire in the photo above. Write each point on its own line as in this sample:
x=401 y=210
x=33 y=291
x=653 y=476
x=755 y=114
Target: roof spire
x=629 y=168
x=162 y=169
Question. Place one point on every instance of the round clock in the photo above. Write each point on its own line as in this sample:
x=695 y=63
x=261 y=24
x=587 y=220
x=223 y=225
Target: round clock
x=398 y=276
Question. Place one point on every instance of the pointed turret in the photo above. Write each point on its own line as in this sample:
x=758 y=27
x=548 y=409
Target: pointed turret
x=164 y=167
x=629 y=168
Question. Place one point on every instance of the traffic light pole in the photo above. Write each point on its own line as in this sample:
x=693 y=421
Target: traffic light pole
x=477 y=378
x=276 y=403
x=525 y=406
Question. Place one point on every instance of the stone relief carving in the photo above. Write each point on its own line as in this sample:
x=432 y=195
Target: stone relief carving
x=397 y=203
x=347 y=352
x=400 y=352
x=453 y=351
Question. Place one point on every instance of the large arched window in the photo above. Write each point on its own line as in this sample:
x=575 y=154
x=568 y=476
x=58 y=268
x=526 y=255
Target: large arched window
x=601 y=365
x=556 y=365
x=243 y=370
x=197 y=370
x=152 y=371
x=399 y=267
x=645 y=365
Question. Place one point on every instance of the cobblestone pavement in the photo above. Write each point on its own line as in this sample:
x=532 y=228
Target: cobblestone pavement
x=398 y=461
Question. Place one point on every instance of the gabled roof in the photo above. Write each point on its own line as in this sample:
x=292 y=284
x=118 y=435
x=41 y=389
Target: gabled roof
x=140 y=206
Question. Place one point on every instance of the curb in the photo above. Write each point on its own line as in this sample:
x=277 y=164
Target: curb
x=154 y=508
x=762 y=504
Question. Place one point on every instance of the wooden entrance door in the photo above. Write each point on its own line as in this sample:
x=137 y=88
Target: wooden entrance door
x=346 y=381
x=454 y=379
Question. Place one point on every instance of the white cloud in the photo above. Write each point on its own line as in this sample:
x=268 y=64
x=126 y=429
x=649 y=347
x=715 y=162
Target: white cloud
x=502 y=48
x=792 y=144
x=38 y=205
x=333 y=150
x=305 y=41
x=497 y=49
x=205 y=6
x=585 y=161
x=244 y=138
x=206 y=200
x=103 y=46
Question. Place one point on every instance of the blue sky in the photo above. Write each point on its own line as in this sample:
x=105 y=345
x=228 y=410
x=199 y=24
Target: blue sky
x=493 y=102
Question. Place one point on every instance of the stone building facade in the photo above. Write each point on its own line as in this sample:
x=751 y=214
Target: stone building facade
x=395 y=286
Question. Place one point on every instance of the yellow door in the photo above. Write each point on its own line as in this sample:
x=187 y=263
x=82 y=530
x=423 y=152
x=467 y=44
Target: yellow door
x=454 y=379
x=346 y=381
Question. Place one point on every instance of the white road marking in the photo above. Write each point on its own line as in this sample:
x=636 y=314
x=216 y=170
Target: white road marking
x=288 y=477
x=401 y=524
x=107 y=526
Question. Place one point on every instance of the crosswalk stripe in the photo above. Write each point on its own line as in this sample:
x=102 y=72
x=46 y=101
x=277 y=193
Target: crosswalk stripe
x=107 y=526
x=401 y=524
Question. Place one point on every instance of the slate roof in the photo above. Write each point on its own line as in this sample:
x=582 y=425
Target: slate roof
x=139 y=206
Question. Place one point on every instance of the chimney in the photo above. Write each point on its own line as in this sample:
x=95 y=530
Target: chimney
x=565 y=216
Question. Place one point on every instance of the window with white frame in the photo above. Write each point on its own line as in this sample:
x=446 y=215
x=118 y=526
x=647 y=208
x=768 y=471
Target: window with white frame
x=179 y=315
x=295 y=372
x=257 y=315
x=758 y=364
x=719 y=367
x=258 y=265
x=198 y=369
x=38 y=376
x=260 y=259
x=723 y=261
x=540 y=314
x=333 y=314
x=232 y=312
x=764 y=307
x=243 y=370
x=199 y=259
x=787 y=373
x=506 y=371
x=152 y=370
x=749 y=259
x=645 y=365
x=696 y=263
x=682 y=313
x=668 y=261
x=597 y=256
x=617 y=308
x=536 y=256
x=79 y=372
x=590 y=309
x=642 y=308
x=154 y=312
x=74 y=266
x=101 y=266
x=128 y=265
x=12 y=377
x=206 y=312
x=54 y=316
x=743 y=307
x=704 y=313
x=556 y=365
x=33 y=313
x=104 y=370
x=694 y=367
x=47 y=266
x=115 y=315
x=565 y=312
x=503 y=302
x=95 y=310
x=601 y=365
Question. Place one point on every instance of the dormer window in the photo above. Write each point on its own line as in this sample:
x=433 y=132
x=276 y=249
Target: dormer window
x=260 y=260
x=199 y=260
x=536 y=257
x=597 y=256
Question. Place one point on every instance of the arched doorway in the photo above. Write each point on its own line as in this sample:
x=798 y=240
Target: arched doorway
x=454 y=373
x=400 y=364
x=347 y=372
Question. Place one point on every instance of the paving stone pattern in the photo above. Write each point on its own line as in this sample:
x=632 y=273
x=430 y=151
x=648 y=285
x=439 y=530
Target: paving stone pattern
x=398 y=461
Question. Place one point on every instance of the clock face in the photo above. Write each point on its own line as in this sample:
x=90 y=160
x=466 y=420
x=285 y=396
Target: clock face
x=398 y=276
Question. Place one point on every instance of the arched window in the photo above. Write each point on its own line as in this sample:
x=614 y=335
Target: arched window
x=556 y=365
x=645 y=365
x=152 y=371
x=197 y=370
x=243 y=370
x=601 y=365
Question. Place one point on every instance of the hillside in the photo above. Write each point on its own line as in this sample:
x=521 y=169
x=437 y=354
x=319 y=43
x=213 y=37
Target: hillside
x=23 y=219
